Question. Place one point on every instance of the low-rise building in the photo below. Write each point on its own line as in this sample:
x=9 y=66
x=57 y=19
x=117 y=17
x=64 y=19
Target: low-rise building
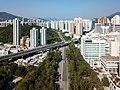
x=109 y=63
x=3 y=52
x=6 y=23
x=33 y=60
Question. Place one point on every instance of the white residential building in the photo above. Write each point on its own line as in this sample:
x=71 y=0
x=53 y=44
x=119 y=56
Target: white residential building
x=48 y=24
x=71 y=27
x=43 y=36
x=61 y=25
x=33 y=38
x=57 y=25
x=16 y=31
x=66 y=25
x=113 y=39
x=114 y=48
x=105 y=29
x=115 y=28
x=78 y=26
x=116 y=20
x=87 y=25
x=102 y=29
x=53 y=25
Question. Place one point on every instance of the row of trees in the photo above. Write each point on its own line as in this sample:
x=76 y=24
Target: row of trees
x=81 y=76
x=6 y=34
x=43 y=76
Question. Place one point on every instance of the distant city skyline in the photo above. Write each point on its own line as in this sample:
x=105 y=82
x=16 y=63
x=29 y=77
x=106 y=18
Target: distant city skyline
x=62 y=9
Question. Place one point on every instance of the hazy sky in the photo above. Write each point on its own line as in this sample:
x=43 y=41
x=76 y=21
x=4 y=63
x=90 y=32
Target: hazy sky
x=64 y=9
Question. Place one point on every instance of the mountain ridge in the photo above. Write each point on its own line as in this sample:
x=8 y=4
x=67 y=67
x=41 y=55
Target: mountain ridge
x=6 y=16
x=112 y=15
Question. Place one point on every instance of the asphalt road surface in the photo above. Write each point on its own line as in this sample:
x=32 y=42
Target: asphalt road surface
x=63 y=70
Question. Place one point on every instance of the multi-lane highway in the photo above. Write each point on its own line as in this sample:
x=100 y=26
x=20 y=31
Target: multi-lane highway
x=37 y=49
x=29 y=51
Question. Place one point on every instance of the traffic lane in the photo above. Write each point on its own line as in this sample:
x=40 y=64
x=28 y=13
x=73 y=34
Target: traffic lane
x=64 y=75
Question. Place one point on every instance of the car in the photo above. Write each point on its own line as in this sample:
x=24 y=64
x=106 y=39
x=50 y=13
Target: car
x=56 y=66
x=56 y=79
x=57 y=62
x=57 y=86
x=56 y=82
x=56 y=73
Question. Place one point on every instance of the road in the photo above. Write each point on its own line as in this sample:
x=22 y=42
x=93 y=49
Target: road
x=29 y=51
x=61 y=37
x=63 y=70
x=37 y=49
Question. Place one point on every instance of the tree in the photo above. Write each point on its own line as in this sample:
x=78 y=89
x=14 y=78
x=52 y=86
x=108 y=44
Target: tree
x=43 y=76
x=7 y=74
x=81 y=76
x=105 y=81
x=21 y=71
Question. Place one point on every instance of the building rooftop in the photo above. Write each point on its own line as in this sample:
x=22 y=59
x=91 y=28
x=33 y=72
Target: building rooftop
x=113 y=34
x=110 y=58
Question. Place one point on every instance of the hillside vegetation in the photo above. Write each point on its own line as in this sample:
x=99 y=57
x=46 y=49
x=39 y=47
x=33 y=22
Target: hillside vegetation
x=6 y=34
